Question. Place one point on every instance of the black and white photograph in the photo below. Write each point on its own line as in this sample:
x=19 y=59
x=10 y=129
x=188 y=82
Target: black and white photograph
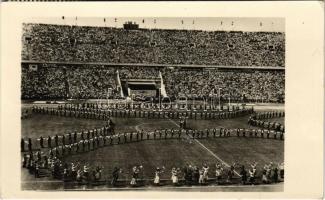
x=162 y=100
x=158 y=104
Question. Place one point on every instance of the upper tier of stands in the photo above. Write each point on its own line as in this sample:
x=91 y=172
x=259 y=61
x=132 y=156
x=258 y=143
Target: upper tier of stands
x=61 y=43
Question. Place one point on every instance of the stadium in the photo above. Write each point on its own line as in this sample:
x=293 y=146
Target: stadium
x=134 y=107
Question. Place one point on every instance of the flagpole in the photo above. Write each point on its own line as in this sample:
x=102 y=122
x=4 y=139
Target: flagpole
x=63 y=18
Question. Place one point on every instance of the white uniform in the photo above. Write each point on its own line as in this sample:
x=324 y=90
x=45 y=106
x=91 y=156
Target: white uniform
x=157 y=177
x=174 y=176
x=201 y=177
x=205 y=172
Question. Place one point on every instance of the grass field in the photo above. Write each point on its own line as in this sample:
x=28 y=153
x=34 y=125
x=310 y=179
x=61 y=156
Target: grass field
x=45 y=125
x=178 y=153
x=169 y=153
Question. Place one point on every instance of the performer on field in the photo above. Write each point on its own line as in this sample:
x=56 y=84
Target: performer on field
x=158 y=172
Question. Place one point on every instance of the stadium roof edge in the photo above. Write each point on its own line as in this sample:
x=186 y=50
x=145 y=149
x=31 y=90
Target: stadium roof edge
x=156 y=29
x=152 y=65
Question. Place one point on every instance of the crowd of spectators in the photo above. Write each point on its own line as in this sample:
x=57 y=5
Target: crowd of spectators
x=247 y=86
x=43 y=83
x=45 y=42
x=94 y=81
x=61 y=82
x=91 y=82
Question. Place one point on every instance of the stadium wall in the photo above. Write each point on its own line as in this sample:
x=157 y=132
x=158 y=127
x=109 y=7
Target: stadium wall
x=153 y=65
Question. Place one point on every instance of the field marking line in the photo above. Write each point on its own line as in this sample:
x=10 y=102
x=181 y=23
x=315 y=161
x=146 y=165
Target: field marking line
x=213 y=154
x=137 y=126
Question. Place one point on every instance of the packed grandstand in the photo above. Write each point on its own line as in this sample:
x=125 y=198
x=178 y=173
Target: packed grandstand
x=83 y=62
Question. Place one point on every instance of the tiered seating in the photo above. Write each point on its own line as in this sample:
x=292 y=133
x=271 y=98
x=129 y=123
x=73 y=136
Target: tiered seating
x=44 y=42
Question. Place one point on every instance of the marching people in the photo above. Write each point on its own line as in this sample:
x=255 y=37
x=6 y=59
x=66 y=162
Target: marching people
x=265 y=172
x=243 y=174
x=115 y=175
x=75 y=135
x=201 y=177
x=22 y=145
x=30 y=144
x=252 y=173
x=49 y=142
x=231 y=173
x=41 y=141
x=86 y=172
x=158 y=172
x=219 y=171
x=281 y=168
x=205 y=170
x=97 y=173
x=70 y=138
x=56 y=138
x=135 y=175
x=25 y=160
x=188 y=170
x=196 y=175
x=275 y=176
x=174 y=177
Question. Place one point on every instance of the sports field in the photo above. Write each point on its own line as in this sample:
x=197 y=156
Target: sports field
x=153 y=153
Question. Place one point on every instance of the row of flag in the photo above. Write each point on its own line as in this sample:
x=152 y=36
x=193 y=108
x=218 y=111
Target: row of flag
x=155 y=21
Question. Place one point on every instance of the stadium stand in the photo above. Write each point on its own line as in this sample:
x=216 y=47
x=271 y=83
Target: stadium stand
x=81 y=62
x=92 y=82
x=115 y=45
x=241 y=85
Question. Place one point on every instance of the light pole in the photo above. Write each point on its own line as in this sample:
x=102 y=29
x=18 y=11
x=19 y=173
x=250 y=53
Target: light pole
x=193 y=103
x=159 y=90
x=132 y=97
x=219 y=98
x=109 y=91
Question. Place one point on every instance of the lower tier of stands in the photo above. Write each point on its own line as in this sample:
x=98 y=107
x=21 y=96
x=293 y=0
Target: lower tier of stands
x=53 y=81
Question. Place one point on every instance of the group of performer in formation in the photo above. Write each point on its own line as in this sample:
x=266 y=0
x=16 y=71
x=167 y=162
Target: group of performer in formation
x=95 y=138
x=48 y=153
x=258 y=120
x=41 y=165
x=105 y=114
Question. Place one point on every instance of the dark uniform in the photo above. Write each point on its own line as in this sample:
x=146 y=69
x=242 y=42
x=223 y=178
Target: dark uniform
x=56 y=138
x=70 y=138
x=75 y=136
x=22 y=145
x=63 y=139
x=49 y=142
x=41 y=142
x=29 y=144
